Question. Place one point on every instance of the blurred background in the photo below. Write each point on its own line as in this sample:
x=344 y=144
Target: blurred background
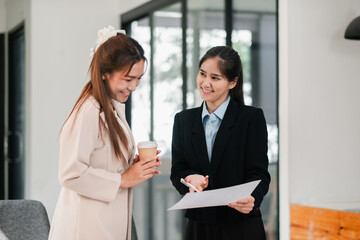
x=176 y=35
x=297 y=67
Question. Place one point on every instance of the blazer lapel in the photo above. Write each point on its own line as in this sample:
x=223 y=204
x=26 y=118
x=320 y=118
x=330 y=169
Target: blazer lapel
x=223 y=135
x=198 y=141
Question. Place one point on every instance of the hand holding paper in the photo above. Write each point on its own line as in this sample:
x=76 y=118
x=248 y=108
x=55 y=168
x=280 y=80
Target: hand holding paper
x=243 y=205
x=218 y=197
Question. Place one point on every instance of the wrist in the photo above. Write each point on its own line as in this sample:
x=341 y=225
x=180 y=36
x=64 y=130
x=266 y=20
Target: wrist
x=123 y=181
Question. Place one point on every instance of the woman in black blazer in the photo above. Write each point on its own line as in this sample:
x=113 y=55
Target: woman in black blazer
x=220 y=144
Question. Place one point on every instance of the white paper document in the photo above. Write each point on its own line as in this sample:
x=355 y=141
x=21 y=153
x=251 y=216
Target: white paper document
x=217 y=197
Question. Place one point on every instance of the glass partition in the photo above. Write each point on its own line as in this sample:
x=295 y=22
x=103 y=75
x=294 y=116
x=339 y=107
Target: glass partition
x=168 y=81
x=154 y=105
x=140 y=118
x=174 y=33
x=254 y=37
x=206 y=28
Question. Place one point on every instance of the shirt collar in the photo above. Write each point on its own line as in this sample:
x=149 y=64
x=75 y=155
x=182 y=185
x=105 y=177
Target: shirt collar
x=219 y=112
x=119 y=107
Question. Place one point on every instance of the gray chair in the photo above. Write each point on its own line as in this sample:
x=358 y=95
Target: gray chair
x=24 y=219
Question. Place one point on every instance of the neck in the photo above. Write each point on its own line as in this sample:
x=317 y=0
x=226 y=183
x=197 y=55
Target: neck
x=212 y=106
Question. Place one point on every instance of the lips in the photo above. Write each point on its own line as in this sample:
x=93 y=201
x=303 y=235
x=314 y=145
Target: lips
x=126 y=94
x=207 y=91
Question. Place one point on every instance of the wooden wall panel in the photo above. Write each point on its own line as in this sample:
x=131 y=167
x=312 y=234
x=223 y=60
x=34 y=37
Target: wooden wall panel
x=310 y=223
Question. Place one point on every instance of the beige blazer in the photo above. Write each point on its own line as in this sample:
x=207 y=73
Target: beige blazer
x=91 y=205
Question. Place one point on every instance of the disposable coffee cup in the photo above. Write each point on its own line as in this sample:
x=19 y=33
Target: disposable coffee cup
x=147 y=149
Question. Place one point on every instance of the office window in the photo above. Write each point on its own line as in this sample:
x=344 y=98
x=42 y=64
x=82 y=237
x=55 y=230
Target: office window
x=206 y=28
x=154 y=104
x=254 y=37
x=175 y=35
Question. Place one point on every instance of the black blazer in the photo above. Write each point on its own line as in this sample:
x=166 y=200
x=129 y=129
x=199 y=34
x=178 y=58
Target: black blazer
x=239 y=155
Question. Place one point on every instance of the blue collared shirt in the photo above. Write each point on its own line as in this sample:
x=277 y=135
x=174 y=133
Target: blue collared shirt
x=211 y=123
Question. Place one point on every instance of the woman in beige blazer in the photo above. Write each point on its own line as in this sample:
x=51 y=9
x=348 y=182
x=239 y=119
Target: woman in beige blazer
x=98 y=166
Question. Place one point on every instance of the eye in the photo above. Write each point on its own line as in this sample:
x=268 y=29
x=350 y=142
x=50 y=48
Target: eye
x=215 y=78
x=202 y=74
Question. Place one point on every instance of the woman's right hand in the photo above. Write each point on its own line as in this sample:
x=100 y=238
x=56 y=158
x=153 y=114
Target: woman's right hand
x=199 y=181
x=140 y=171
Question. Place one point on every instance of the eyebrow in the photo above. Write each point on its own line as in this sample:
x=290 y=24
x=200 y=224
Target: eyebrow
x=214 y=74
x=129 y=76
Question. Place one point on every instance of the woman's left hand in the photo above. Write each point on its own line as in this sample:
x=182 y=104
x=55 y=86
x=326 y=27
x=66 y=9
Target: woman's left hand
x=244 y=205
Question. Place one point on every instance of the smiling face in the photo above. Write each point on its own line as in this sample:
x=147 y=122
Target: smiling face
x=213 y=86
x=122 y=83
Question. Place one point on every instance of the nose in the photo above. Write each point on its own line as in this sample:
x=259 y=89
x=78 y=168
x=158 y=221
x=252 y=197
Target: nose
x=207 y=81
x=132 y=86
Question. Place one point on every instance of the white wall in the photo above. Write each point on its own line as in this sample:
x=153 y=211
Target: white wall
x=2 y=16
x=126 y=5
x=319 y=106
x=324 y=122
x=284 y=151
x=61 y=35
x=15 y=12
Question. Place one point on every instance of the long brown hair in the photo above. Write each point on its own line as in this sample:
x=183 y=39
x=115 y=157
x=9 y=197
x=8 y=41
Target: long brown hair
x=230 y=66
x=118 y=53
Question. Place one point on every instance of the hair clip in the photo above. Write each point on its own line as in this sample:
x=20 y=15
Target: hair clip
x=103 y=35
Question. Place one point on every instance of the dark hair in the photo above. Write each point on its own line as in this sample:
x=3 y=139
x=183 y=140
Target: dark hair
x=230 y=66
x=118 y=53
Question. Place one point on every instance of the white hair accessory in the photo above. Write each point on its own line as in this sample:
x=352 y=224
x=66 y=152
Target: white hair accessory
x=103 y=35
